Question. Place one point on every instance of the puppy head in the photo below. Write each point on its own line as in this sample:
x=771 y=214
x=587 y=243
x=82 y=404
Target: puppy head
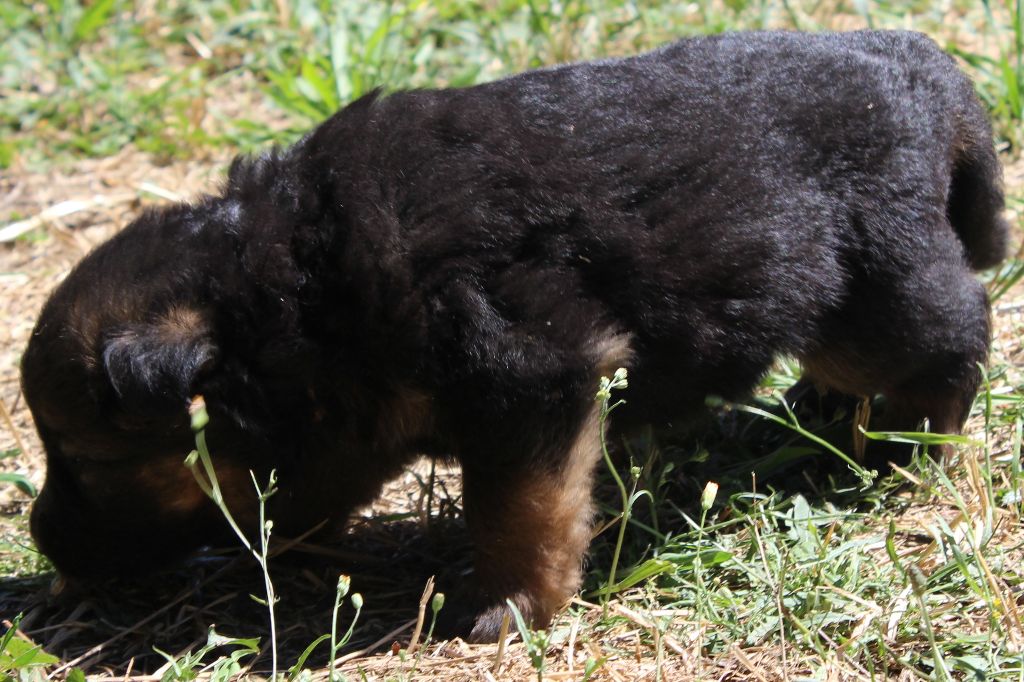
x=118 y=350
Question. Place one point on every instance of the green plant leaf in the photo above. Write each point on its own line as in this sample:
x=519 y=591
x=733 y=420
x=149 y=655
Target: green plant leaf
x=921 y=437
x=93 y=19
x=20 y=482
x=649 y=568
x=301 y=662
x=19 y=654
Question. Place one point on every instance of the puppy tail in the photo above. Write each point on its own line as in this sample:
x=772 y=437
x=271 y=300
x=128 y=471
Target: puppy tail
x=975 y=204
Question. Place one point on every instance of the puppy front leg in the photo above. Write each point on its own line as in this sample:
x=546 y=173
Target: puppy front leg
x=531 y=524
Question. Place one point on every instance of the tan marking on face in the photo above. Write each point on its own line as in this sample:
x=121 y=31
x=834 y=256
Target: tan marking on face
x=173 y=487
x=319 y=412
x=404 y=418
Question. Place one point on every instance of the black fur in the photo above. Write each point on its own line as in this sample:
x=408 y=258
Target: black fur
x=450 y=271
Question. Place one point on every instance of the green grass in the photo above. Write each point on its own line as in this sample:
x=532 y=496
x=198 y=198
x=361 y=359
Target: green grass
x=89 y=78
x=921 y=579
x=870 y=582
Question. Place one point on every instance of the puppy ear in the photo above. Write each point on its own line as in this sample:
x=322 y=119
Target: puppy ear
x=155 y=365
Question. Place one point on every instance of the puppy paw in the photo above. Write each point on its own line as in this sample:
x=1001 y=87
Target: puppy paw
x=482 y=625
x=456 y=619
x=487 y=625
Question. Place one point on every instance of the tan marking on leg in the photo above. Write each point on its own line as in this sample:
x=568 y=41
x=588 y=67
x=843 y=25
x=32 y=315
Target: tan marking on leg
x=557 y=516
x=533 y=532
x=532 y=527
x=861 y=420
x=839 y=374
x=945 y=410
x=612 y=352
x=180 y=323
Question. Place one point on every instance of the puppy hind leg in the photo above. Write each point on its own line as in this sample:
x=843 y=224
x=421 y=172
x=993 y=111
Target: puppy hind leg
x=531 y=528
x=919 y=345
x=954 y=340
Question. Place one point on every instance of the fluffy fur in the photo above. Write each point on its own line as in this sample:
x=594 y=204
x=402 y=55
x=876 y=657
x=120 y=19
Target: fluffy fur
x=451 y=271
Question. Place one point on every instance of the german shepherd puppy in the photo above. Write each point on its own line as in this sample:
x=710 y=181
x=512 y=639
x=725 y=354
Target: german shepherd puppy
x=452 y=271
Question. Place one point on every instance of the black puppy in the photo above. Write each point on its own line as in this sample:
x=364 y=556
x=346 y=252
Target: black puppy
x=450 y=272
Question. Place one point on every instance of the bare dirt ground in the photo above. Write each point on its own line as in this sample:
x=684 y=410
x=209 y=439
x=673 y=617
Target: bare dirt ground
x=389 y=553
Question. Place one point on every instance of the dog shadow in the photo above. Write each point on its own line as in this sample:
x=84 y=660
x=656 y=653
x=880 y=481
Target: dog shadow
x=120 y=624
